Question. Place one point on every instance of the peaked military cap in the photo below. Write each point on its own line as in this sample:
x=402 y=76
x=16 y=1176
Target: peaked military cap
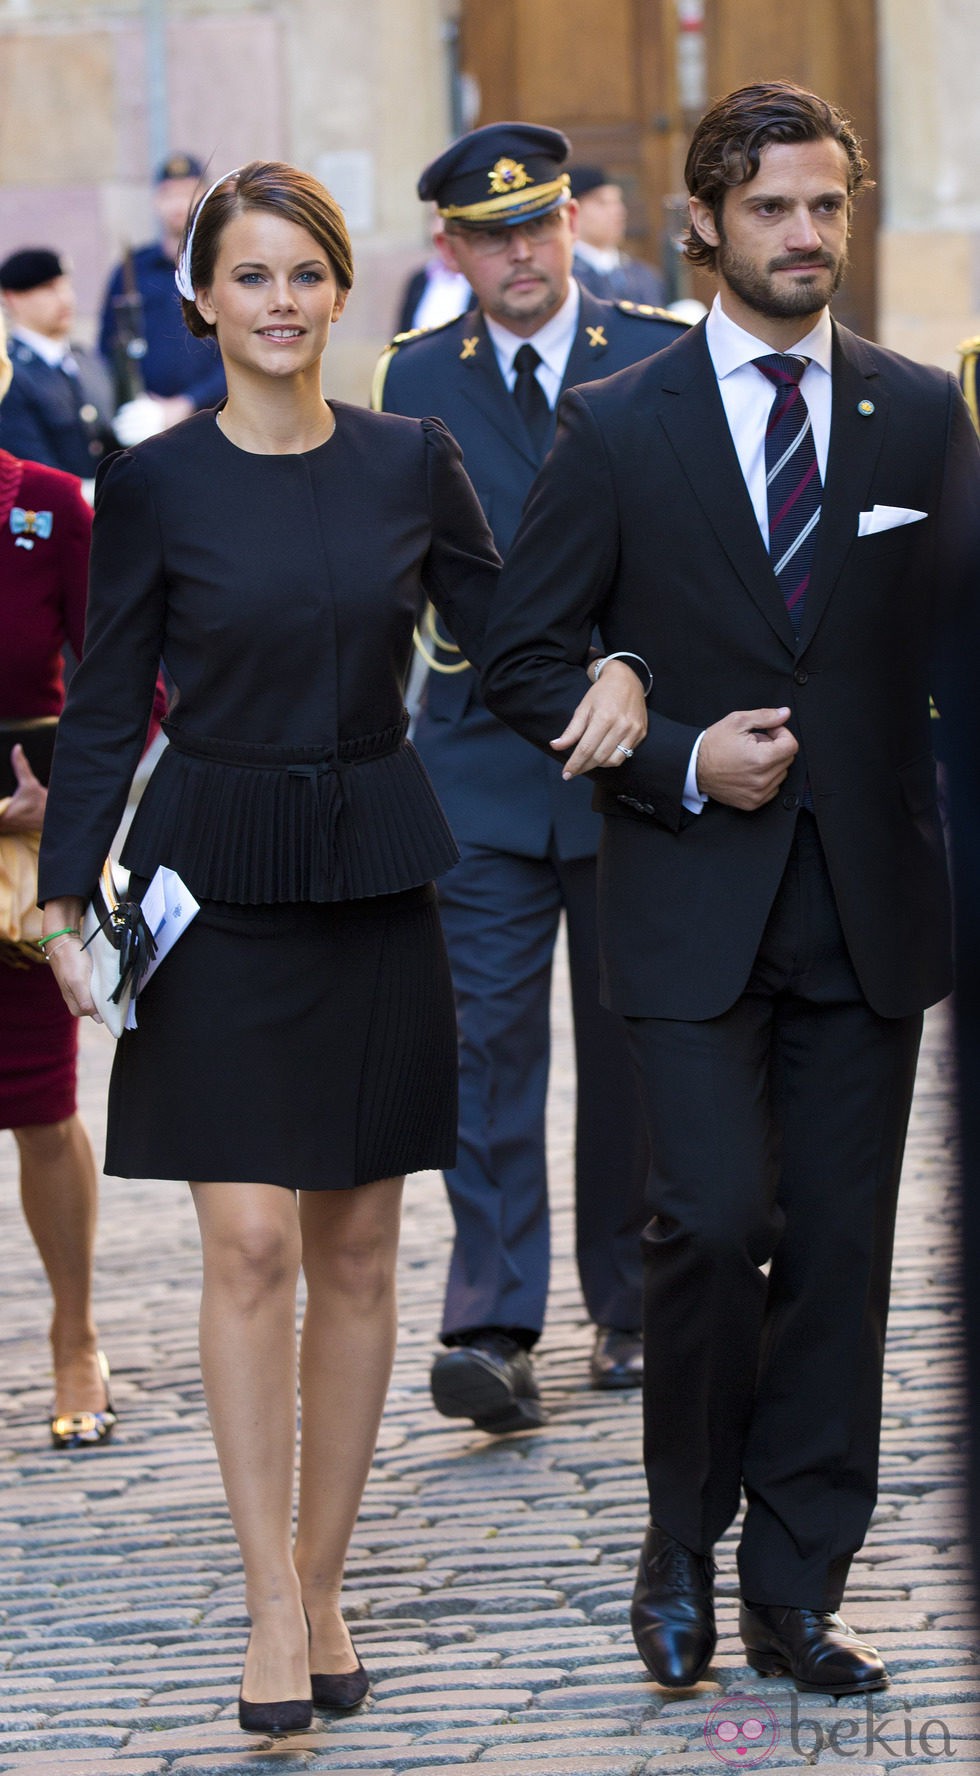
x=584 y=179
x=178 y=166
x=499 y=175
x=30 y=267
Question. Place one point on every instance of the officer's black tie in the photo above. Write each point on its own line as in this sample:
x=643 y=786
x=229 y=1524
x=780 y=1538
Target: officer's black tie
x=531 y=398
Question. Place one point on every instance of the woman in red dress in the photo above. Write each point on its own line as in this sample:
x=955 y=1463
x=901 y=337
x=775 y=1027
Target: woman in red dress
x=45 y=527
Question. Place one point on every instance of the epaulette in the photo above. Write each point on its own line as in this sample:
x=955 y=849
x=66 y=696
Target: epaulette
x=647 y=312
x=400 y=340
x=969 y=350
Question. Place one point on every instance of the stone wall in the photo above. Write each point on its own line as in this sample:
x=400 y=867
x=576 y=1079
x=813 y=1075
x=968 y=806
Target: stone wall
x=357 y=93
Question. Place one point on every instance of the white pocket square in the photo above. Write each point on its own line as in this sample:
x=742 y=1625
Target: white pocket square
x=887 y=518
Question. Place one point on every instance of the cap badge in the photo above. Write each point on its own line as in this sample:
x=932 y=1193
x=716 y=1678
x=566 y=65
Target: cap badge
x=508 y=175
x=28 y=525
x=469 y=347
x=866 y=408
x=597 y=335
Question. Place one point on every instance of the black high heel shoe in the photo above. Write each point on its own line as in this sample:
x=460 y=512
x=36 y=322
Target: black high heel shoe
x=86 y=1430
x=274 y=1719
x=341 y=1689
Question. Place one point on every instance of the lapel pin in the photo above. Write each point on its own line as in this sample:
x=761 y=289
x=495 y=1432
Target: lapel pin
x=866 y=408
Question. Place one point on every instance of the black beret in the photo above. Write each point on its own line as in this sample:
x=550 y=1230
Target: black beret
x=588 y=178
x=501 y=174
x=30 y=267
x=178 y=166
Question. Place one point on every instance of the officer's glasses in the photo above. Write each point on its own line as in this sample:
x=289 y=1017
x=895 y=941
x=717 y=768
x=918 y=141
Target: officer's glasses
x=485 y=242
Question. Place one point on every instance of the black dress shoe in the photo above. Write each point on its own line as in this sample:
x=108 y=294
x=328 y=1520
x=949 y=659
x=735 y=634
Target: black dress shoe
x=490 y=1380
x=617 y=1358
x=815 y=1647
x=340 y=1689
x=673 y=1612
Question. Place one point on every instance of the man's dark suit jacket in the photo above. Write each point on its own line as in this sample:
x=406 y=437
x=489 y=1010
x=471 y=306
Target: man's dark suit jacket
x=641 y=521
x=494 y=790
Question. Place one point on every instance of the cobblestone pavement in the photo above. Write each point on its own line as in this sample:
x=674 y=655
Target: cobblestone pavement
x=489 y=1579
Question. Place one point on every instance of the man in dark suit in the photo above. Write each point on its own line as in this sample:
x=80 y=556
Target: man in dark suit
x=528 y=840
x=772 y=511
x=58 y=409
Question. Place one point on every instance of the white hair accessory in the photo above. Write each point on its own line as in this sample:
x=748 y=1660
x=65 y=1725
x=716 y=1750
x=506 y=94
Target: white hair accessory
x=182 y=275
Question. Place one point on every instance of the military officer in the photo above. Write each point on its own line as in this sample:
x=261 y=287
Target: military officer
x=58 y=409
x=178 y=374
x=528 y=839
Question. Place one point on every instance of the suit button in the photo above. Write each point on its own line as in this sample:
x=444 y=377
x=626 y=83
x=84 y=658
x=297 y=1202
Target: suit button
x=801 y=675
x=791 y=801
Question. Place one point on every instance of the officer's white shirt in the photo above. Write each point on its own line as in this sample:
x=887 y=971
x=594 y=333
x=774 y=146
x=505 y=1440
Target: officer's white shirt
x=552 y=342
x=52 y=351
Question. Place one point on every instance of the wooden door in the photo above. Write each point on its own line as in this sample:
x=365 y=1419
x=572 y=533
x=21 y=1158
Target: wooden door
x=611 y=75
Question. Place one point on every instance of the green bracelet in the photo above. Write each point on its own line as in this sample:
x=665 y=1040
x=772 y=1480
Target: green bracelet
x=66 y=931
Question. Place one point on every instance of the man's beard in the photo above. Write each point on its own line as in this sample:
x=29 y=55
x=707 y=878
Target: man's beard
x=759 y=290
x=547 y=301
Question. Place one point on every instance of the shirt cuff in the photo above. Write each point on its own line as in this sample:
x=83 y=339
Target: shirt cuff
x=692 y=799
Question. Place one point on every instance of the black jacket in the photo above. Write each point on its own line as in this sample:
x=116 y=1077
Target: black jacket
x=281 y=593
x=641 y=522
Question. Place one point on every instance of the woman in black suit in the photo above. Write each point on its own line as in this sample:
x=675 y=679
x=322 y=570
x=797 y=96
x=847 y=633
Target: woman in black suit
x=300 y=1039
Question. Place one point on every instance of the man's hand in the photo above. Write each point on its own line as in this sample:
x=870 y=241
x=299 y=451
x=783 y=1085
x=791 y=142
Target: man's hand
x=744 y=758
x=25 y=810
x=611 y=716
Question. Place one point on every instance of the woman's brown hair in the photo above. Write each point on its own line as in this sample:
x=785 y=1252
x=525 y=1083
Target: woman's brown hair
x=727 y=145
x=264 y=185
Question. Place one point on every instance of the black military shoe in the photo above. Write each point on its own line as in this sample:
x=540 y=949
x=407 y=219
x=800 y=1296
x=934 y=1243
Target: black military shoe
x=617 y=1359
x=673 y=1612
x=815 y=1647
x=489 y=1379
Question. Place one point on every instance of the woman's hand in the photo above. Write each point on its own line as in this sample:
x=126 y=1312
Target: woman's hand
x=70 y=964
x=609 y=722
x=25 y=810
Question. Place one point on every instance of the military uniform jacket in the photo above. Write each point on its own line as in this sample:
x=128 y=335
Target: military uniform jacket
x=175 y=362
x=495 y=789
x=48 y=417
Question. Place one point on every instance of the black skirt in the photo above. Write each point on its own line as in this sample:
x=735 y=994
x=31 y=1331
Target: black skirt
x=308 y=1046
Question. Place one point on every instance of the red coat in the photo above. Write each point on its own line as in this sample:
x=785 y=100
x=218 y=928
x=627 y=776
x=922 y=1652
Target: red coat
x=42 y=586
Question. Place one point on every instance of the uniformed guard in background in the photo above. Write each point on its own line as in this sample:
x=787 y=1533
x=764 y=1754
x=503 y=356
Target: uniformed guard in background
x=141 y=313
x=528 y=839
x=59 y=406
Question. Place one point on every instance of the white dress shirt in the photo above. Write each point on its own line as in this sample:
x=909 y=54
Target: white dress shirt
x=552 y=342
x=747 y=397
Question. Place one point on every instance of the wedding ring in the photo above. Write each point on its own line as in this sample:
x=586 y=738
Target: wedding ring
x=627 y=751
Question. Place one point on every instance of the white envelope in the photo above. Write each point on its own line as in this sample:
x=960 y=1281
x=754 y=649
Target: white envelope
x=887 y=518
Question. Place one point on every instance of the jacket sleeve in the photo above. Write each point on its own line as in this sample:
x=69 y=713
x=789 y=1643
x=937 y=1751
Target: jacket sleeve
x=556 y=587
x=462 y=566
x=102 y=732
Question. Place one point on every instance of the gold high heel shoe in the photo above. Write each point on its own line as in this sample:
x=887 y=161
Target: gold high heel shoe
x=86 y=1430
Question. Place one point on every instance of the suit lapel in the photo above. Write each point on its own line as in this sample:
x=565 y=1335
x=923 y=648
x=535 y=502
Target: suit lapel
x=856 y=438
x=697 y=427
x=483 y=385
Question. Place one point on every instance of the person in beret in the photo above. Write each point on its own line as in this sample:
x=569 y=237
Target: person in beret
x=600 y=265
x=178 y=374
x=528 y=839
x=59 y=406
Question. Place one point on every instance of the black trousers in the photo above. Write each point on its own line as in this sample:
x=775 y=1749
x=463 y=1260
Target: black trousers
x=777 y=1133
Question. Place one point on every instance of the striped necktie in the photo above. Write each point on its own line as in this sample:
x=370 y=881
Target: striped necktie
x=793 y=487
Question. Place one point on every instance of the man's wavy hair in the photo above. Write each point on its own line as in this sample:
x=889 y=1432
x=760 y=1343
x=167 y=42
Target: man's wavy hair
x=727 y=145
